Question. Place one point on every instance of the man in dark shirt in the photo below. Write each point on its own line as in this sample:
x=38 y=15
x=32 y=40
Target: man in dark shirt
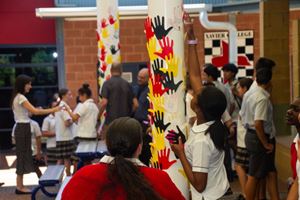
x=117 y=96
x=141 y=114
x=141 y=93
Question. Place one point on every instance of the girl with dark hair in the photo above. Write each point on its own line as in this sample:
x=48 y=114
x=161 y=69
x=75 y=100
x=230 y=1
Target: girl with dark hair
x=86 y=116
x=65 y=146
x=21 y=108
x=242 y=155
x=202 y=156
x=121 y=175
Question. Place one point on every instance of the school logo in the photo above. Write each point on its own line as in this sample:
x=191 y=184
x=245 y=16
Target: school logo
x=216 y=50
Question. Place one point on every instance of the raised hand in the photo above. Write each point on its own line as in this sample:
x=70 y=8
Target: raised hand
x=111 y=19
x=148 y=28
x=113 y=49
x=163 y=159
x=173 y=136
x=158 y=66
x=159 y=27
x=169 y=83
x=188 y=22
x=159 y=121
x=151 y=47
x=166 y=48
x=172 y=63
x=156 y=87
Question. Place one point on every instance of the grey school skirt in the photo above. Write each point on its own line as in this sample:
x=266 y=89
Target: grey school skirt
x=23 y=149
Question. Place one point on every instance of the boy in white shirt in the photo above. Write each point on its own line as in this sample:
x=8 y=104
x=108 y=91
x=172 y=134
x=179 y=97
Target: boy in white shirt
x=48 y=129
x=260 y=136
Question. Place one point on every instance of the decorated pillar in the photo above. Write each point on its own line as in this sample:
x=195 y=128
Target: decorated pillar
x=107 y=38
x=164 y=33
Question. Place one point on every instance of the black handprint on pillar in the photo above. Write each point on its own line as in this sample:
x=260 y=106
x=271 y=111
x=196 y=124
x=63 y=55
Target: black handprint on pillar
x=113 y=49
x=159 y=27
x=156 y=66
x=159 y=121
x=169 y=83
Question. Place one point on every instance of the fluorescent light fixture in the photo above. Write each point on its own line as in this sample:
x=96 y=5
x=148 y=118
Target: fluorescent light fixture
x=125 y=11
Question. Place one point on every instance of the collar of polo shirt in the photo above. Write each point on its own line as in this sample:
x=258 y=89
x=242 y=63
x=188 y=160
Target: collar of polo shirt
x=201 y=127
x=263 y=91
x=89 y=100
x=109 y=159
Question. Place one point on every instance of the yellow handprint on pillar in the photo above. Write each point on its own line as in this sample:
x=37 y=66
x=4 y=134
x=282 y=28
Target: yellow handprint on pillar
x=172 y=63
x=151 y=47
x=158 y=139
x=105 y=33
x=109 y=59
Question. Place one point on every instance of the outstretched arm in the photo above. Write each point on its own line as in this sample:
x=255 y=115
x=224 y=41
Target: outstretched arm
x=193 y=61
x=74 y=116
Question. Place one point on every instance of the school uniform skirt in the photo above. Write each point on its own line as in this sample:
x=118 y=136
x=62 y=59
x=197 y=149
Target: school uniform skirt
x=51 y=155
x=23 y=149
x=65 y=149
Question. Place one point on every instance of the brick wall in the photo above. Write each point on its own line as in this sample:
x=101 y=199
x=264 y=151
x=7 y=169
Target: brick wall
x=81 y=49
x=80 y=54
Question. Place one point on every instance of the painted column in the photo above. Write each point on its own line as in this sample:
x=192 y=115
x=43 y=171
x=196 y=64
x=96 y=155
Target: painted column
x=107 y=38
x=165 y=45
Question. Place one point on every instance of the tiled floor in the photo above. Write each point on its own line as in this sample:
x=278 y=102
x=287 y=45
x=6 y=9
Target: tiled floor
x=7 y=175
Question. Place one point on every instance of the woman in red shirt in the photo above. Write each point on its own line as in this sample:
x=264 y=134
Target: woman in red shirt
x=121 y=176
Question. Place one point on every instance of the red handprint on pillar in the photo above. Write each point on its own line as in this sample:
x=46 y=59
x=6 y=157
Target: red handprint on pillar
x=166 y=48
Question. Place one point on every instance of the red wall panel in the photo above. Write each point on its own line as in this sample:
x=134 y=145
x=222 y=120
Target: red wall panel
x=19 y=25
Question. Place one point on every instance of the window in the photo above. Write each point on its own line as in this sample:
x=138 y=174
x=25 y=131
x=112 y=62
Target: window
x=38 y=62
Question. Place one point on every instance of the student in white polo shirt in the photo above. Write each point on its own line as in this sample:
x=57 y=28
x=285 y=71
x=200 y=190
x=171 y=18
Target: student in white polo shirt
x=242 y=156
x=260 y=137
x=86 y=116
x=260 y=64
x=48 y=130
x=202 y=156
x=65 y=146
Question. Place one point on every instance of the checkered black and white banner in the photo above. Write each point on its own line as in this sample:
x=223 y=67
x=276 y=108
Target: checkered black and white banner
x=216 y=50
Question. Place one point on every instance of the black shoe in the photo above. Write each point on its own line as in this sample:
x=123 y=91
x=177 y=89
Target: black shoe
x=1 y=184
x=21 y=192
